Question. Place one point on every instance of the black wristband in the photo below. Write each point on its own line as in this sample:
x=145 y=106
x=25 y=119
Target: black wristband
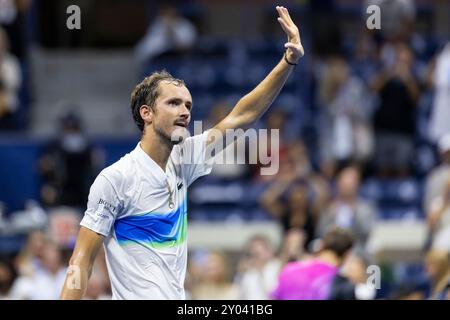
x=287 y=61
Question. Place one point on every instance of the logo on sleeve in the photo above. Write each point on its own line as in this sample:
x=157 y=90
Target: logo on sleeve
x=105 y=206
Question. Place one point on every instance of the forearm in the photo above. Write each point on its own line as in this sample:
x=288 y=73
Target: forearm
x=255 y=103
x=81 y=264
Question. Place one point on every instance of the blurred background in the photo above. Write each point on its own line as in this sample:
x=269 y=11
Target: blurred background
x=364 y=126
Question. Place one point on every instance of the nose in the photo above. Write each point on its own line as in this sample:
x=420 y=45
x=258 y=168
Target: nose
x=185 y=112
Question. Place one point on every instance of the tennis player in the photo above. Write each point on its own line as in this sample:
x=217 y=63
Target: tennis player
x=137 y=206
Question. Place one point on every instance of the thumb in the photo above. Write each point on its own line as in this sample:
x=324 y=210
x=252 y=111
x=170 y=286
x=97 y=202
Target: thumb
x=290 y=45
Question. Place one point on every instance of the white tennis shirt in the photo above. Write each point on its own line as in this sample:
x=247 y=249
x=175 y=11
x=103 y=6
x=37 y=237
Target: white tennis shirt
x=145 y=244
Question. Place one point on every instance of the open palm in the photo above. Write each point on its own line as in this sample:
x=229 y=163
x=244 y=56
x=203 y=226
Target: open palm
x=294 y=45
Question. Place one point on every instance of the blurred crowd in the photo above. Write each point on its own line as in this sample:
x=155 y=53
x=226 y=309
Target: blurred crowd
x=375 y=109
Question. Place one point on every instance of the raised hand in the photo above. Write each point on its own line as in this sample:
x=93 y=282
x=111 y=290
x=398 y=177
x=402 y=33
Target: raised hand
x=294 y=46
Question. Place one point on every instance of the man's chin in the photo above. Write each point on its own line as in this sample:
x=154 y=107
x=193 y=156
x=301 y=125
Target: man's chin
x=179 y=135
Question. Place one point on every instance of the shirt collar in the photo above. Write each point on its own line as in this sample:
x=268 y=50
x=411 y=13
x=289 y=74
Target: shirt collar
x=145 y=160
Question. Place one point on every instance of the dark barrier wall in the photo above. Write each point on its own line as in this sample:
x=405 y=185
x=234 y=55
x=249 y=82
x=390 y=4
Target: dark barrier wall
x=19 y=177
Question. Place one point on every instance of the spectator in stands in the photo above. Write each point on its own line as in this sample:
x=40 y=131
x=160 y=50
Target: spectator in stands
x=437 y=267
x=347 y=210
x=98 y=285
x=439 y=176
x=351 y=281
x=7 y=276
x=439 y=124
x=394 y=119
x=258 y=270
x=222 y=168
x=66 y=167
x=12 y=19
x=346 y=133
x=10 y=81
x=169 y=33
x=439 y=220
x=29 y=258
x=290 y=201
x=275 y=120
x=397 y=18
x=312 y=279
x=293 y=247
x=46 y=282
x=216 y=282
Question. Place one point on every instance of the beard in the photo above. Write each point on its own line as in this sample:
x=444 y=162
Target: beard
x=176 y=137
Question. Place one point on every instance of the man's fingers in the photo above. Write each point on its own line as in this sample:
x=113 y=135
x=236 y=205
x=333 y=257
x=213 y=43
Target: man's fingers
x=282 y=14
x=284 y=25
x=287 y=15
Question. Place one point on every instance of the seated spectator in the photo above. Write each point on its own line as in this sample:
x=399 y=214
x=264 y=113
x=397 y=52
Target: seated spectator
x=437 y=266
x=258 y=270
x=439 y=176
x=46 y=282
x=10 y=81
x=168 y=33
x=313 y=279
x=290 y=202
x=7 y=276
x=347 y=210
x=28 y=261
x=215 y=283
x=439 y=220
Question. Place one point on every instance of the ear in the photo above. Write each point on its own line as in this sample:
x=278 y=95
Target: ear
x=146 y=113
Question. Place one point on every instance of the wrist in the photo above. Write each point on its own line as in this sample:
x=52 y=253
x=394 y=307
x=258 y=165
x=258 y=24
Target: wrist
x=289 y=59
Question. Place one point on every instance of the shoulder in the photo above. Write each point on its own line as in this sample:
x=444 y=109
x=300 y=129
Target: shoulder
x=121 y=173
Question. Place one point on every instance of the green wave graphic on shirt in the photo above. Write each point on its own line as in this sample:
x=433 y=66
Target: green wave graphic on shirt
x=153 y=229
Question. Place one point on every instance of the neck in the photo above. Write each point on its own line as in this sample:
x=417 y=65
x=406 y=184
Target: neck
x=156 y=148
x=330 y=258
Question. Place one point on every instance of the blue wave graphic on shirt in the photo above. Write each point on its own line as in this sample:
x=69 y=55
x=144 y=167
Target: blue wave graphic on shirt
x=153 y=229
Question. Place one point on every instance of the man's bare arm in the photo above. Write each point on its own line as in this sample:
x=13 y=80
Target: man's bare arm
x=254 y=104
x=81 y=263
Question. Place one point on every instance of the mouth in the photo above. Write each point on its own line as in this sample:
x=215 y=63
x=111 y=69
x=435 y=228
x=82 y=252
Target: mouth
x=181 y=124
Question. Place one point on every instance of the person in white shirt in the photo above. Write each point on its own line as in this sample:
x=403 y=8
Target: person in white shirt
x=137 y=206
x=170 y=32
x=46 y=281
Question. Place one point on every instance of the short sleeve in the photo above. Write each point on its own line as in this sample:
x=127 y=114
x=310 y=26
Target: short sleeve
x=194 y=160
x=102 y=208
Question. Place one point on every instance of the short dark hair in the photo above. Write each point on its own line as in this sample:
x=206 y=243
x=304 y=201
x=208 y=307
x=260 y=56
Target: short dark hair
x=338 y=240
x=146 y=92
